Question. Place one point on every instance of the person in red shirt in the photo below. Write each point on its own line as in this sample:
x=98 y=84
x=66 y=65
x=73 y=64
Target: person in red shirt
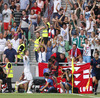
x=37 y=11
x=60 y=57
x=75 y=52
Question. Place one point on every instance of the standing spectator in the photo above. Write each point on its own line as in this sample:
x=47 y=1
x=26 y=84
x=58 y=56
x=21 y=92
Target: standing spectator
x=56 y=2
x=10 y=53
x=51 y=32
x=37 y=11
x=2 y=45
x=42 y=53
x=24 y=23
x=33 y=17
x=61 y=44
x=65 y=35
x=15 y=42
x=24 y=5
x=81 y=38
x=49 y=50
x=75 y=52
x=17 y=14
x=13 y=6
x=86 y=51
x=7 y=16
x=40 y=4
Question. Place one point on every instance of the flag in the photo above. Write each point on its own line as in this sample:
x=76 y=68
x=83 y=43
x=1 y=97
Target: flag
x=72 y=67
x=88 y=83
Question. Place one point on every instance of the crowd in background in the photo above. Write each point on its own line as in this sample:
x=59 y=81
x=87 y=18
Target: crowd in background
x=75 y=35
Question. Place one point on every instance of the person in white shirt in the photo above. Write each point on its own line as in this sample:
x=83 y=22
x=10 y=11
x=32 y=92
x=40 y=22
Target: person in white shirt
x=89 y=26
x=7 y=16
x=86 y=51
x=42 y=53
x=56 y=2
x=65 y=34
x=15 y=41
x=61 y=44
x=80 y=62
x=27 y=73
x=2 y=45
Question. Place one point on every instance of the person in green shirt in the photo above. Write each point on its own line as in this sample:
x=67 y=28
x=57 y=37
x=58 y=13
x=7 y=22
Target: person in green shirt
x=81 y=38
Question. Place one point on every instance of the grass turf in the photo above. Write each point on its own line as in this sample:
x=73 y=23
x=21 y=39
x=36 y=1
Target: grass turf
x=40 y=95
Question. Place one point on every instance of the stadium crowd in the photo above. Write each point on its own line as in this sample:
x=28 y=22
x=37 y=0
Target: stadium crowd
x=65 y=37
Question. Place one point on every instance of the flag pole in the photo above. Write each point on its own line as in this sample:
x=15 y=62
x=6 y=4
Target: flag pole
x=72 y=83
x=72 y=75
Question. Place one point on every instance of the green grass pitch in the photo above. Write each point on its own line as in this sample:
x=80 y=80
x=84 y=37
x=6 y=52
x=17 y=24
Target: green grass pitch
x=41 y=95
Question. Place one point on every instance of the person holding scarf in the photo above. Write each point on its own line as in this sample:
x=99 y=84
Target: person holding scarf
x=74 y=52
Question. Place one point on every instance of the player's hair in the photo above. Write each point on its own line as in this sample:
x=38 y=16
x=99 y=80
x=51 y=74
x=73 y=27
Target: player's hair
x=97 y=52
x=25 y=51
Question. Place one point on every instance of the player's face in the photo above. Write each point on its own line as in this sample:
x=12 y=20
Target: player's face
x=96 y=55
x=27 y=53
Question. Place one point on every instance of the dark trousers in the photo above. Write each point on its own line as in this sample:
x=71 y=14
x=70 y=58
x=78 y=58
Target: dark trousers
x=26 y=32
x=36 y=56
x=9 y=85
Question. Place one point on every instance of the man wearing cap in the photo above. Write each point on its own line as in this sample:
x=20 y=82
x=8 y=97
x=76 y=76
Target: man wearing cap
x=15 y=41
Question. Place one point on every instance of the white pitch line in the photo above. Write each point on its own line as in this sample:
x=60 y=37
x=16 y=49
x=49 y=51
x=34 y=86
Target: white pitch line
x=86 y=96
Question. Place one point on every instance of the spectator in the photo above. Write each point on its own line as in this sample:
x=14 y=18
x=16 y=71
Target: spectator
x=10 y=53
x=51 y=32
x=17 y=14
x=40 y=4
x=54 y=43
x=13 y=6
x=65 y=35
x=42 y=53
x=49 y=50
x=61 y=44
x=60 y=57
x=81 y=38
x=75 y=52
x=24 y=5
x=37 y=11
x=14 y=28
x=33 y=17
x=24 y=23
x=2 y=45
x=15 y=42
x=80 y=62
x=7 y=16
x=56 y=2
x=86 y=51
